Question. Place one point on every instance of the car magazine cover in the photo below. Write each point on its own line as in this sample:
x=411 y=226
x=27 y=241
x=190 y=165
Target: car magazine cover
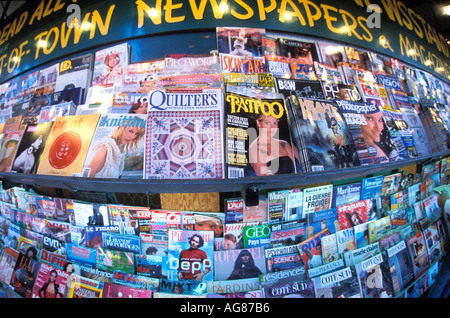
x=67 y=145
x=30 y=150
x=371 y=136
x=184 y=135
x=117 y=147
x=190 y=255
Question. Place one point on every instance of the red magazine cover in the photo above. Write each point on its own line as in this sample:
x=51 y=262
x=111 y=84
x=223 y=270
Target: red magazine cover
x=51 y=282
x=354 y=213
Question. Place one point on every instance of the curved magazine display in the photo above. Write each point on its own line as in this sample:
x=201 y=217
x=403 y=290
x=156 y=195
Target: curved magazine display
x=199 y=186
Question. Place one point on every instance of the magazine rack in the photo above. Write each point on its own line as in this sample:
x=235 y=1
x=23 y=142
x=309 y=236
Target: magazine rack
x=210 y=185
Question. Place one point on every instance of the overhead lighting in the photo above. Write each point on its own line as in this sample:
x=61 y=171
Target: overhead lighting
x=446 y=10
x=42 y=43
x=153 y=13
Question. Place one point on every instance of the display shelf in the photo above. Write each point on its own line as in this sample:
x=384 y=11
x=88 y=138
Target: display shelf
x=209 y=185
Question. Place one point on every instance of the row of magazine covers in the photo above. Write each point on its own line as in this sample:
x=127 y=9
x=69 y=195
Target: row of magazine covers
x=380 y=237
x=262 y=104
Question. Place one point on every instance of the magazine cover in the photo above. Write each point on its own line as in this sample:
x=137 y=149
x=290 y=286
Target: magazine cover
x=276 y=208
x=184 y=135
x=121 y=242
x=31 y=147
x=49 y=113
x=10 y=144
x=361 y=235
x=234 y=210
x=129 y=103
x=329 y=74
x=287 y=233
x=330 y=251
x=400 y=132
x=110 y=65
x=401 y=266
x=183 y=64
x=433 y=240
x=346 y=193
x=342 y=283
x=154 y=244
x=135 y=281
x=375 y=278
x=284 y=258
x=111 y=290
x=419 y=134
x=302 y=89
x=191 y=255
x=379 y=228
x=293 y=289
x=322 y=135
x=141 y=77
x=345 y=240
x=51 y=282
x=111 y=260
x=74 y=72
x=317 y=199
x=263 y=81
x=84 y=290
x=240 y=49
x=117 y=147
x=234 y=235
x=150 y=265
x=7 y=263
x=67 y=145
x=286 y=276
x=239 y=263
x=258 y=140
x=90 y=214
x=330 y=53
x=256 y=236
x=93 y=237
x=371 y=136
x=354 y=213
x=24 y=275
x=317 y=221
x=311 y=250
x=419 y=253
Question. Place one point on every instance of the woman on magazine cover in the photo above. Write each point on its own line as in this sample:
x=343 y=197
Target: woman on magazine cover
x=110 y=153
x=269 y=155
x=377 y=138
x=244 y=267
x=50 y=289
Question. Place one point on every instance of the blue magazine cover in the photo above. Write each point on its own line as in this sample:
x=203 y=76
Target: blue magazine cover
x=191 y=255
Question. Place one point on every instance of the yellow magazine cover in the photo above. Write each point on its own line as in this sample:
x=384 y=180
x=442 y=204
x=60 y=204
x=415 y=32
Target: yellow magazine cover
x=67 y=145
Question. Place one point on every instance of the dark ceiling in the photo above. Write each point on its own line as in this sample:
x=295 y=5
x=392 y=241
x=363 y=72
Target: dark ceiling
x=432 y=12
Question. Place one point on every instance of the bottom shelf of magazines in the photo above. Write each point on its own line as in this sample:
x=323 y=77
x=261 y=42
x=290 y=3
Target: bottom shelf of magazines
x=372 y=237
